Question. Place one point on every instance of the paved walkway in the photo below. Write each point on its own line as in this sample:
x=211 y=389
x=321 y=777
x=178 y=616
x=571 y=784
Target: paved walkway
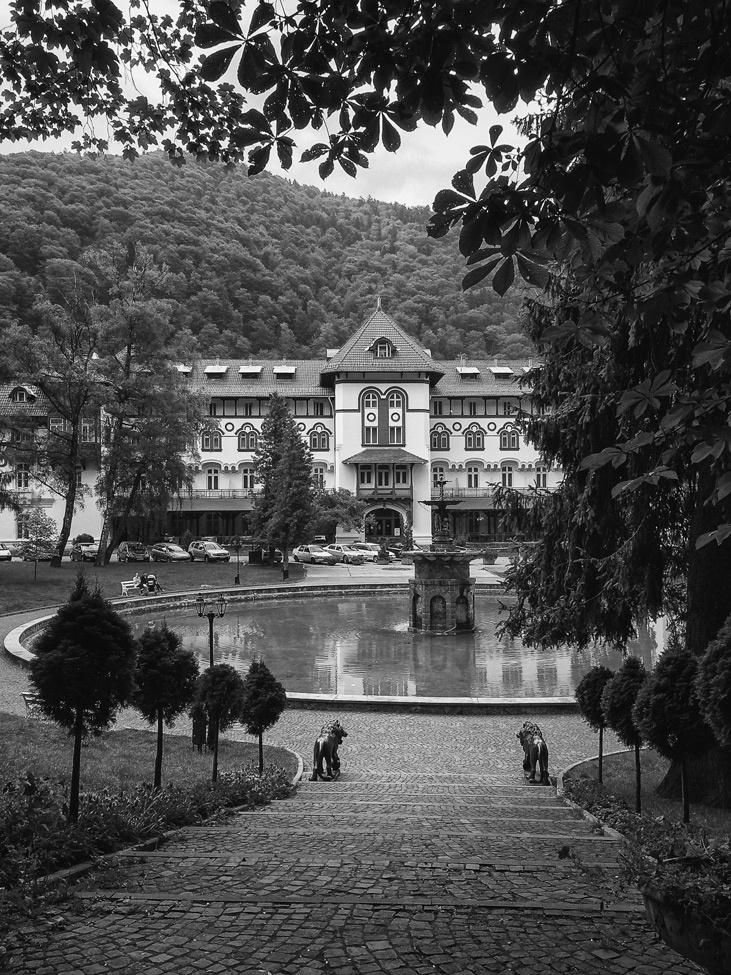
x=431 y=855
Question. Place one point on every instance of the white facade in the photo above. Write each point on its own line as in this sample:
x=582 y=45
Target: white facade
x=383 y=420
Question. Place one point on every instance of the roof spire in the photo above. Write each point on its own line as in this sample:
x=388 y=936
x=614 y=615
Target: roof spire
x=378 y=303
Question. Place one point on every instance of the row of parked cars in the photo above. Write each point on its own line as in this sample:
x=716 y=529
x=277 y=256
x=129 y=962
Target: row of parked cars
x=355 y=553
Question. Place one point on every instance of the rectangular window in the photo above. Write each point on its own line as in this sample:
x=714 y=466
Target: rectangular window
x=394 y=435
x=248 y=409
x=473 y=477
x=56 y=424
x=319 y=408
x=365 y=476
x=437 y=407
x=88 y=433
x=472 y=408
x=455 y=407
x=21 y=524
x=212 y=479
x=79 y=482
x=370 y=435
x=509 y=408
x=383 y=477
x=213 y=409
x=401 y=476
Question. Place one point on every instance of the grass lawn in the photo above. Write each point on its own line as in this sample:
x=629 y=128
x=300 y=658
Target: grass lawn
x=22 y=588
x=618 y=776
x=120 y=760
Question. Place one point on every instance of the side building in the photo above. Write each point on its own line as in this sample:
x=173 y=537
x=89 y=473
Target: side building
x=382 y=418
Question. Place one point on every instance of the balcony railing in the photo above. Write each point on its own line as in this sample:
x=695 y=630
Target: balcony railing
x=368 y=491
x=474 y=492
x=216 y=494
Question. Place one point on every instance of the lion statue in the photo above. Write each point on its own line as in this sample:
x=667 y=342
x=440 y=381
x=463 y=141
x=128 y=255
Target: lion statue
x=535 y=752
x=326 y=751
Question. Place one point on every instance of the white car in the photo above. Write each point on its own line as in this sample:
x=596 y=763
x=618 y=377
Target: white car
x=347 y=554
x=372 y=551
x=314 y=554
x=5 y=554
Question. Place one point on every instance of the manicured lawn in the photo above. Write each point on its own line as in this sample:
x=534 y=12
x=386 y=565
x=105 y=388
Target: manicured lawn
x=119 y=760
x=22 y=589
x=619 y=779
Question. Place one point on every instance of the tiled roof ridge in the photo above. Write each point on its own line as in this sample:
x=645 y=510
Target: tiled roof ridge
x=380 y=325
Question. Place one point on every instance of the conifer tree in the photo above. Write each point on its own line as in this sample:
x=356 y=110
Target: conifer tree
x=165 y=677
x=83 y=671
x=618 y=699
x=264 y=700
x=283 y=508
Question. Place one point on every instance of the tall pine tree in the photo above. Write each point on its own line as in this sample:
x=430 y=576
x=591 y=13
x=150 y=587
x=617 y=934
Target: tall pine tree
x=283 y=509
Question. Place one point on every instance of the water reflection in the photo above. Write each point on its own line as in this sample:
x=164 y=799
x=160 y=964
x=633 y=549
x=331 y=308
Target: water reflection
x=361 y=646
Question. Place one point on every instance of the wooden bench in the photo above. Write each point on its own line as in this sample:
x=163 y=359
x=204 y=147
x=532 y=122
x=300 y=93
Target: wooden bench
x=33 y=706
x=130 y=586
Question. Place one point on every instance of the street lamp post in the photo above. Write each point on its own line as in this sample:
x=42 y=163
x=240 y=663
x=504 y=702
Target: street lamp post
x=212 y=609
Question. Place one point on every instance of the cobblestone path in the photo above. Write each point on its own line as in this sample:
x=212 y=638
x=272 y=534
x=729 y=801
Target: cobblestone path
x=430 y=855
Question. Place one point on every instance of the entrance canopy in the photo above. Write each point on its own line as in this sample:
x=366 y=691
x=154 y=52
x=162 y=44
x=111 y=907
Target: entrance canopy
x=384 y=455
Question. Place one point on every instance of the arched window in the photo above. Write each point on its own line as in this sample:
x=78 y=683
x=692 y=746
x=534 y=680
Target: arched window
x=509 y=439
x=319 y=439
x=248 y=439
x=439 y=439
x=395 y=401
x=370 y=401
x=507 y=471
x=318 y=477
x=211 y=440
x=473 y=476
x=383 y=349
x=211 y=478
x=474 y=439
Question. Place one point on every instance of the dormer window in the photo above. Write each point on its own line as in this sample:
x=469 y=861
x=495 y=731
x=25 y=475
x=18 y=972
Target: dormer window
x=285 y=373
x=21 y=394
x=383 y=349
x=215 y=372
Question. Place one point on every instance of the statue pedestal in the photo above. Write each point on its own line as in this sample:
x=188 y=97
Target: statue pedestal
x=442 y=593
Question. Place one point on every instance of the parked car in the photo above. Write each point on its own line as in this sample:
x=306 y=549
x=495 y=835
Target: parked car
x=346 y=553
x=208 y=552
x=168 y=552
x=314 y=554
x=5 y=553
x=38 y=552
x=132 y=552
x=372 y=551
x=84 y=551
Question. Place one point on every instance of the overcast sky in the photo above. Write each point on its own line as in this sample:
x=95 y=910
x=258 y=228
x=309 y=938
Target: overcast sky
x=413 y=175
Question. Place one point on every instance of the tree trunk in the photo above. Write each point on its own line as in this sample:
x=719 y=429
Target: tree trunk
x=158 y=756
x=261 y=752
x=638 y=779
x=73 y=816
x=684 y=788
x=70 y=494
x=285 y=563
x=709 y=605
x=601 y=752
x=214 y=776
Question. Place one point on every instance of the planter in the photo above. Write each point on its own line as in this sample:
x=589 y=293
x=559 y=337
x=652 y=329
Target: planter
x=692 y=937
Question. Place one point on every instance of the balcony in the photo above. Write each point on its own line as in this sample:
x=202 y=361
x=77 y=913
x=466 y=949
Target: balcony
x=370 y=493
x=218 y=494
x=479 y=492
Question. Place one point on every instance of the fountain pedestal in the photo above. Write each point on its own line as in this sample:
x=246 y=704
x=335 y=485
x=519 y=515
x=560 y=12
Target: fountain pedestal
x=442 y=593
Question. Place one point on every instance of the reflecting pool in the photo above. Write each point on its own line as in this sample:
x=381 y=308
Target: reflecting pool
x=360 y=645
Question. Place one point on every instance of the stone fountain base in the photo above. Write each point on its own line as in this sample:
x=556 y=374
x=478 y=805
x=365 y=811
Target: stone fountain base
x=442 y=593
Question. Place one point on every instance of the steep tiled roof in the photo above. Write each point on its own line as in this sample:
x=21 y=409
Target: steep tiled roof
x=304 y=382
x=491 y=378
x=357 y=353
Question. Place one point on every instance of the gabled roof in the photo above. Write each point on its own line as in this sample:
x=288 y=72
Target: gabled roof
x=357 y=354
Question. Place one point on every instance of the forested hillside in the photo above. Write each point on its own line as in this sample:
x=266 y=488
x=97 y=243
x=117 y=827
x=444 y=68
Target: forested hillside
x=258 y=266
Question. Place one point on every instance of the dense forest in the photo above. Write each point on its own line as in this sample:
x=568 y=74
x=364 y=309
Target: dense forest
x=256 y=265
